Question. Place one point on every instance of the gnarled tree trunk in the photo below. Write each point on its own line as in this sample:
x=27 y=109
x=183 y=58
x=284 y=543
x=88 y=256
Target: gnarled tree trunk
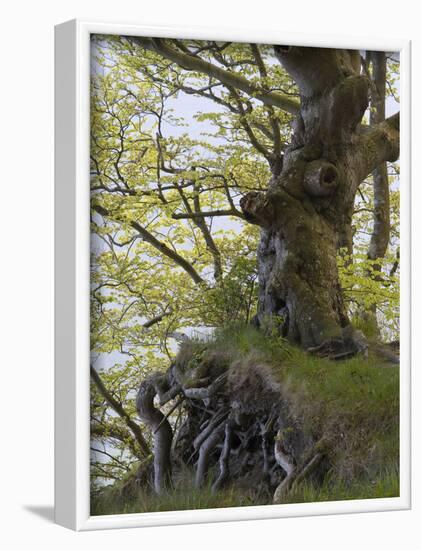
x=305 y=215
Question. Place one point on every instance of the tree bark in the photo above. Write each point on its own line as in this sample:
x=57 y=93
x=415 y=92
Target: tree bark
x=381 y=217
x=380 y=235
x=160 y=426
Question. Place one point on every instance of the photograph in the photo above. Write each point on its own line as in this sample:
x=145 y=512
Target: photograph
x=244 y=274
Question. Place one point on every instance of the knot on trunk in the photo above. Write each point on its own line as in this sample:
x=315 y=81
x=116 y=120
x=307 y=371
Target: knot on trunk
x=320 y=178
x=257 y=208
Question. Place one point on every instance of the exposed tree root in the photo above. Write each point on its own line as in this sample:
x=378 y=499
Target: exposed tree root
x=350 y=343
x=173 y=408
x=284 y=460
x=235 y=425
x=296 y=476
x=161 y=429
x=206 y=448
x=224 y=459
x=209 y=427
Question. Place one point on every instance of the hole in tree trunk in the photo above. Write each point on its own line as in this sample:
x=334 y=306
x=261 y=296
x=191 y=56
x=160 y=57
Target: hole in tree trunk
x=329 y=176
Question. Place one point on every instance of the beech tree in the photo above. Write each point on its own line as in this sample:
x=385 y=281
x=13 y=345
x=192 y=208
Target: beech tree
x=254 y=218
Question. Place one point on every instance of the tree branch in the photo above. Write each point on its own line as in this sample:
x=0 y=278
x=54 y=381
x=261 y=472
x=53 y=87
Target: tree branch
x=207 y=235
x=316 y=70
x=155 y=320
x=247 y=128
x=381 y=214
x=209 y=214
x=229 y=78
x=379 y=143
x=201 y=224
x=161 y=247
x=120 y=433
x=118 y=408
x=269 y=109
x=118 y=462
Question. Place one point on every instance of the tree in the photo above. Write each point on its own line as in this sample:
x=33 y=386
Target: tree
x=286 y=160
x=306 y=212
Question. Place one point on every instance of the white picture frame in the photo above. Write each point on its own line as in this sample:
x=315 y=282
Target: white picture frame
x=72 y=238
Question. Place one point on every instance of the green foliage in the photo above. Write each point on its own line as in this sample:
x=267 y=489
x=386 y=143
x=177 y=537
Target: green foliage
x=373 y=285
x=234 y=298
x=366 y=286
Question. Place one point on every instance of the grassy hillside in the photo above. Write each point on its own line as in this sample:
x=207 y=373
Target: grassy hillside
x=352 y=406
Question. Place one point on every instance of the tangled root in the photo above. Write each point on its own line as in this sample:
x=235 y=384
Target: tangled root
x=235 y=430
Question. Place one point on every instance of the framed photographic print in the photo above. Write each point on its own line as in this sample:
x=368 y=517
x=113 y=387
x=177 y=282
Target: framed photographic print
x=232 y=275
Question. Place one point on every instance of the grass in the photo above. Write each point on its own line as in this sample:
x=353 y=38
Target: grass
x=184 y=496
x=385 y=485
